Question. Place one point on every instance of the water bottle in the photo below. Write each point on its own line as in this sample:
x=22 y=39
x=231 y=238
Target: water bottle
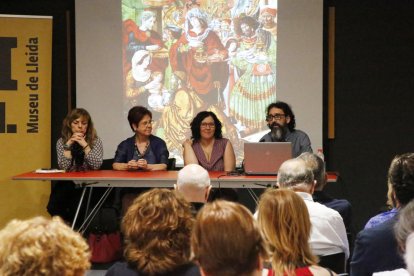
x=320 y=154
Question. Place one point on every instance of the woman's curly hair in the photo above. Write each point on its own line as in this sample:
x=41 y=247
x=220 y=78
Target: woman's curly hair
x=157 y=229
x=41 y=246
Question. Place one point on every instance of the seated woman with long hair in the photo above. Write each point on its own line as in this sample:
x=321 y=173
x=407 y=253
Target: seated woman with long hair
x=78 y=149
x=284 y=220
x=227 y=241
x=157 y=230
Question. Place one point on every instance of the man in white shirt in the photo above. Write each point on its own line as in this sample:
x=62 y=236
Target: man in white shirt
x=328 y=234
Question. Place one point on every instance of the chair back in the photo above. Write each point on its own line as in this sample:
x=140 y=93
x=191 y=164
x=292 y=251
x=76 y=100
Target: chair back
x=171 y=164
x=335 y=262
x=107 y=164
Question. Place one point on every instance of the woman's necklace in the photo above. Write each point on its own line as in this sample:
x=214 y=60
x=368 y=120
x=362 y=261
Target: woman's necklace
x=141 y=153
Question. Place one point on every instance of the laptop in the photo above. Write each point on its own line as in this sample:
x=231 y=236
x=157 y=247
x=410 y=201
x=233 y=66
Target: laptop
x=265 y=158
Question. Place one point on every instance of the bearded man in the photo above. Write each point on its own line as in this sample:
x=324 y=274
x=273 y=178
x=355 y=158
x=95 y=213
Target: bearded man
x=281 y=121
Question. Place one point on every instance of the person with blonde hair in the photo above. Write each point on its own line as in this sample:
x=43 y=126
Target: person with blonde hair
x=41 y=246
x=157 y=229
x=227 y=241
x=285 y=223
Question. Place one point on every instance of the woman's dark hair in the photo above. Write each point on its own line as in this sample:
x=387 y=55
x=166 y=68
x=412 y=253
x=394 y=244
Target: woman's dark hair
x=196 y=124
x=401 y=177
x=136 y=114
x=287 y=110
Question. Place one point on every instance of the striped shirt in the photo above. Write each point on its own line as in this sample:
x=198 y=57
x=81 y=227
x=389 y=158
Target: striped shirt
x=93 y=160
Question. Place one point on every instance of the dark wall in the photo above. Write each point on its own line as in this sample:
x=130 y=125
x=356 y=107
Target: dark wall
x=63 y=72
x=374 y=85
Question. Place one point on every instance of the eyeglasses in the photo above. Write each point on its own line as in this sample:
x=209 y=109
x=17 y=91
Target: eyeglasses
x=275 y=117
x=146 y=123
x=209 y=125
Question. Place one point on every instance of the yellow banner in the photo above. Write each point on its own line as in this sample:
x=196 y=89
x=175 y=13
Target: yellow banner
x=25 y=113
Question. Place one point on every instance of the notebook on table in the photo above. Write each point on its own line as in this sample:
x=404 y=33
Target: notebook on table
x=265 y=158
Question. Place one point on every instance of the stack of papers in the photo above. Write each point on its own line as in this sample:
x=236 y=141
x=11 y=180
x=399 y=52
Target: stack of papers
x=49 y=171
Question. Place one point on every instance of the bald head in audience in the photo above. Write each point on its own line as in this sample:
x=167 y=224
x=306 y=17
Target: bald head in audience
x=193 y=182
x=296 y=175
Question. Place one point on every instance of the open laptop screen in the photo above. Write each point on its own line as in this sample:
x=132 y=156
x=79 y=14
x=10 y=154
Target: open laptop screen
x=265 y=158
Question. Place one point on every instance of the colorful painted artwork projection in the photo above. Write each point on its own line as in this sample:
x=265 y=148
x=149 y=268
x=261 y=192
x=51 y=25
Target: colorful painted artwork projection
x=182 y=57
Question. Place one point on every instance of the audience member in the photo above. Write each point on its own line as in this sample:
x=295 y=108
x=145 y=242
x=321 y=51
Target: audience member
x=316 y=164
x=142 y=151
x=207 y=146
x=284 y=220
x=404 y=228
x=157 y=230
x=281 y=121
x=78 y=149
x=328 y=234
x=409 y=254
x=41 y=246
x=226 y=240
x=193 y=182
x=376 y=248
x=384 y=216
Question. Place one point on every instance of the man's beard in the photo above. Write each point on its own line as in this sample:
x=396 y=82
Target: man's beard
x=277 y=133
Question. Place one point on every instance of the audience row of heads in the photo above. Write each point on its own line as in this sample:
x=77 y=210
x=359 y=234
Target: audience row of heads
x=307 y=172
x=162 y=234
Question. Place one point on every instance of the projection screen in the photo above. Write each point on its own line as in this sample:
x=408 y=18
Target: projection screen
x=180 y=57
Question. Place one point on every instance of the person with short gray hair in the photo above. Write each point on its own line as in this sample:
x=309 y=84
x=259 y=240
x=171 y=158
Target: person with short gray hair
x=328 y=234
x=316 y=164
x=193 y=182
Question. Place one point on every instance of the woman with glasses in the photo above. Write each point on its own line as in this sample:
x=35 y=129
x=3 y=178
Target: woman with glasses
x=207 y=146
x=142 y=151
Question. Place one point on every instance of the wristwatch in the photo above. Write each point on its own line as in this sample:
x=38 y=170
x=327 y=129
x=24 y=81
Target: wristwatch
x=66 y=147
